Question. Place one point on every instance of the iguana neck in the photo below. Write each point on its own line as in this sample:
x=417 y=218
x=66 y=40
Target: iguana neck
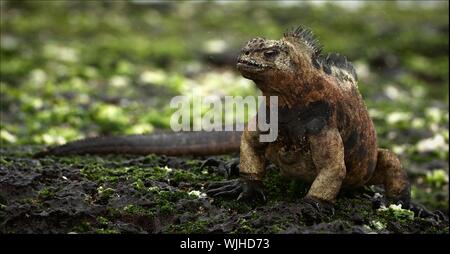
x=303 y=89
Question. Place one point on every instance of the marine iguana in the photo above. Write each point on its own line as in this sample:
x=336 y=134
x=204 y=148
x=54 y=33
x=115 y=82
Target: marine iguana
x=326 y=136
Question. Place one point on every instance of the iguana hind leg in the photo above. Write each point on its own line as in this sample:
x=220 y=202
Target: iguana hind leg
x=390 y=173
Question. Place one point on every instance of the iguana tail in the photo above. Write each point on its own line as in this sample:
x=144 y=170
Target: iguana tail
x=172 y=144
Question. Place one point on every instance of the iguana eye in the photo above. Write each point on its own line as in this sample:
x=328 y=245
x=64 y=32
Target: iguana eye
x=271 y=53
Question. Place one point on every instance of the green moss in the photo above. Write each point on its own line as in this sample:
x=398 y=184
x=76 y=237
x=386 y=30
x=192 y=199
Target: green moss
x=166 y=200
x=233 y=205
x=164 y=203
x=113 y=213
x=136 y=210
x=191 y=227
x=102 y=174
x=139 y=185
x=82 y=227
x=244 y=227
x=279 y=187
x=273 y=183
x=254 y=215
x=396 y=213
x=194 y=177
x=105 y=193
x=4 y=161
x=276 y=229
x=348 y=206
x=46 y=193
x=106 y=231
x=103 y=221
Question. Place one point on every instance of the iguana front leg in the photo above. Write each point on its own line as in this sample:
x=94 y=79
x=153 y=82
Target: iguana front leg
x=252 y=163
x=327 y=151
x=251 y=171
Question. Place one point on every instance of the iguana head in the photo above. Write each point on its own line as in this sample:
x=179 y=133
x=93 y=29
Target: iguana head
x=275 y=64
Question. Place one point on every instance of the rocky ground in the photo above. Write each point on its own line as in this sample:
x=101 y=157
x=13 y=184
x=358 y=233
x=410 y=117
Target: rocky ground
x=151 y=194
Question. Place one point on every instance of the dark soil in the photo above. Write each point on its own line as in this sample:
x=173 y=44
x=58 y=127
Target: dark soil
x=151 y=194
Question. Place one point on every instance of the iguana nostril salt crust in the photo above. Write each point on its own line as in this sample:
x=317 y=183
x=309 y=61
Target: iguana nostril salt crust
x=326 y=136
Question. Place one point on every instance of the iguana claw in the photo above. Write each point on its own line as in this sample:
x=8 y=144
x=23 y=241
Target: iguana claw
x=243 y=189
x=322 y=207
x=228 y=169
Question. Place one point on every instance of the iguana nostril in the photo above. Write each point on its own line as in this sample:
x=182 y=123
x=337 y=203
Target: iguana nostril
x=247 y=53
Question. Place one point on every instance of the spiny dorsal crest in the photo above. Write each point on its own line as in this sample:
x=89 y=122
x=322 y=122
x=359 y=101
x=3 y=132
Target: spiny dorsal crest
x=306 y=36
x=339 y=61
x=320 y=61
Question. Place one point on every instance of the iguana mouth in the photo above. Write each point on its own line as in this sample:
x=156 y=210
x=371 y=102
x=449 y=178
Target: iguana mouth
x=250 y=65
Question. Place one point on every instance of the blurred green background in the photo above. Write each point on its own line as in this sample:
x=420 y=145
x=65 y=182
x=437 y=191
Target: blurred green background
x=71 y=69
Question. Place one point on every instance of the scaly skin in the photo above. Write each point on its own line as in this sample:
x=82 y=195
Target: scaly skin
x=326 y=136
x=172 y=144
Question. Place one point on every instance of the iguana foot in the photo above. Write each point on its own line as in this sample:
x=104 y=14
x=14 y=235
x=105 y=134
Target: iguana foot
x=242 y=189
x=390 y=173
x=230 y=188
x=228 y=169
x=315 y=211
x=421 y=212
x=320 y=206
